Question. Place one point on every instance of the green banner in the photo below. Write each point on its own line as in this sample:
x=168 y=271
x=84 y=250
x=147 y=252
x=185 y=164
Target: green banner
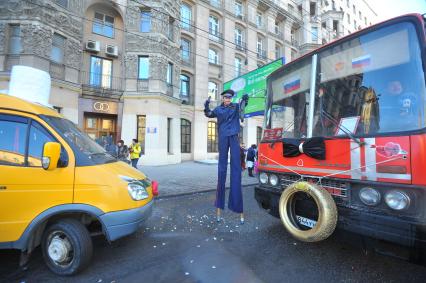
x=254 y=84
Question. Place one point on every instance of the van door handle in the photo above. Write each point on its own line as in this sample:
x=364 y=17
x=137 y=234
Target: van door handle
x=3 y=188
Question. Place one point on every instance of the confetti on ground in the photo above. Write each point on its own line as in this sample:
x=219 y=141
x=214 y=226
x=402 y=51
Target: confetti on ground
x=186 y=273
x=154 y=247
x=198 y=246
x=191 y=261
x=213 y=267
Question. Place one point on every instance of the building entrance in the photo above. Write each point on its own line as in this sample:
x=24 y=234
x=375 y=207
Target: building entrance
x=101 y=126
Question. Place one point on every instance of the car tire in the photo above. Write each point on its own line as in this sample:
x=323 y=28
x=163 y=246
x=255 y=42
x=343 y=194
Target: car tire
x=67 y=247
x=327 y=212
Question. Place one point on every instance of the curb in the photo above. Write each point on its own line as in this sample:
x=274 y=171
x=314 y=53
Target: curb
x=198 y=192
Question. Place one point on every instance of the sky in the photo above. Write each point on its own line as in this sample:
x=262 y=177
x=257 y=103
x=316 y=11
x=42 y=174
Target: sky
x=391 y=8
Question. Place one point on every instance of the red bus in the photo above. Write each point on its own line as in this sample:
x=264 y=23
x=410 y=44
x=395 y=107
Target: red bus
x=344 y=142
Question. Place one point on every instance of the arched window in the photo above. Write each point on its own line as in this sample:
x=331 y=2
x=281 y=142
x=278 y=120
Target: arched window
x=186 y=16
x=184 y=85
x=212 y=137
x=213 y=56
x=213 y=90
x=185 y=136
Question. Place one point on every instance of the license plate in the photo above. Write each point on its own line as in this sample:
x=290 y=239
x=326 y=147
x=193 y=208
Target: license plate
x=306 y=221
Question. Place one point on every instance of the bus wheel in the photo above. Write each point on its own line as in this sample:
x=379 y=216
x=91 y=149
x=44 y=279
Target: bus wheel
x=67 y=247
x=308 y=212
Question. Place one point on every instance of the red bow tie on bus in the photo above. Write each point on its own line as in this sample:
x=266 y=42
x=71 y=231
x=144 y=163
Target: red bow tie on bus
x=313 y=147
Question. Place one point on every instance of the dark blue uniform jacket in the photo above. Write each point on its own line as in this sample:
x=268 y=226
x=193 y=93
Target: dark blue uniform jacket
x=227 y=118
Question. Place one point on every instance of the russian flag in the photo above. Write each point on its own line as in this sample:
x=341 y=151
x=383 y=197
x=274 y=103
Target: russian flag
x=362 y=61
x=292 y=86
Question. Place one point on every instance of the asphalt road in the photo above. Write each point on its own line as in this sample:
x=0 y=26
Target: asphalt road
x=182 y=243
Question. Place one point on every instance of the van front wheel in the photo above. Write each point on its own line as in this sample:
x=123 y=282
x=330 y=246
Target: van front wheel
x=67 y=247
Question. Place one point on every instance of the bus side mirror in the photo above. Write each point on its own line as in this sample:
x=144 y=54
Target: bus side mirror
x=51 y=153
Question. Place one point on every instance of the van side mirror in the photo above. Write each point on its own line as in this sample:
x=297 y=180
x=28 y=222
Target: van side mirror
x=51 y=153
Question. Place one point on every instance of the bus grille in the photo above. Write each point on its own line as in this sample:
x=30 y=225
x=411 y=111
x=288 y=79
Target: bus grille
x=334 y=187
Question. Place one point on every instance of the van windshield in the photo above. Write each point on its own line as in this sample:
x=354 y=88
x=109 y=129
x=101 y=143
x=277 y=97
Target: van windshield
x=87 y=151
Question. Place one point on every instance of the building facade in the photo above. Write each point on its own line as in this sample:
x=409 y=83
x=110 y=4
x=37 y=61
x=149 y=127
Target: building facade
x=127 y=69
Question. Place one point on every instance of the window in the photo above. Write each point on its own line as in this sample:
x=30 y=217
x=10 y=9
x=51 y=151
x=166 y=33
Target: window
x=259 y=19
x=103 y=25
x=258 y=135
x=184 y=85
x=365 y=21
x=63 y=3
x=359 y=14
x=13 y=133
x=185 y=136
x=185 y=16
x=213 y=57
x=170 y=31
x=347 y=3
x=145 y=21
x=354 y=25
x=354 y=10
x=238 y=8
x=312 y=9
x=314 y=34
x=213 y=90
x=141 y=130
x=100 y=72
x=214 y=25
x=58 y=47
x=143 y=73
x=212 y=136
x=15 y=46
x=277 y=51
x=238 y=35
x=259 y=47
x=237 y=63
x=349 y=19
x=169 y=135
x=38 y=137
x=185 y=49
x=169 y=78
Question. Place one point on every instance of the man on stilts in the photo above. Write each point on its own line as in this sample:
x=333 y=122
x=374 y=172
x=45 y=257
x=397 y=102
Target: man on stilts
x=228 y=115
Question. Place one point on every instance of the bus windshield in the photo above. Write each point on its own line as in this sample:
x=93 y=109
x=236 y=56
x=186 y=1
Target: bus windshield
x=373 y=84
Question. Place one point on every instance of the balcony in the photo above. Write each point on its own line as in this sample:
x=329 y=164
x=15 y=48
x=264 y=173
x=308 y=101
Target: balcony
x=188 y=60
x=95 y=84
x=216 y=3
x=143 y=85
x=239 y=16
x=187 y=25
x=261 y=54
x=240 y=45
x=57 y=70
x=216 y=36
x=187 y=98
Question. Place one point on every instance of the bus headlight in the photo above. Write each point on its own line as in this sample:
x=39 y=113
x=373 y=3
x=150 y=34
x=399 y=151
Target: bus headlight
x=273 y=180
x=397 y=200
x=369 y=196
x=263 y=178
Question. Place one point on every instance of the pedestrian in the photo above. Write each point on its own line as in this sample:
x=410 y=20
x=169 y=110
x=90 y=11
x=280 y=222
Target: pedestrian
x=251 y=158
x=228 y=115
x=122 y=152
x=135 y=152
x=243 y=156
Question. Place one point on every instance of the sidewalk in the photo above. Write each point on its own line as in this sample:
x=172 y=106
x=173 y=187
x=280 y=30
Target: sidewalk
x=188 y=177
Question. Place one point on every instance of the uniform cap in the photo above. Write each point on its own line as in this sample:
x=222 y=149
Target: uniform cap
x=228 y=93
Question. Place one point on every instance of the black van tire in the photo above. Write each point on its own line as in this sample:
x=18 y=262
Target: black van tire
x=327 y=212
x=72 y=235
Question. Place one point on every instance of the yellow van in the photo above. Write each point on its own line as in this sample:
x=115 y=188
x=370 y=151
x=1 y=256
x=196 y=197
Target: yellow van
x=58 y=188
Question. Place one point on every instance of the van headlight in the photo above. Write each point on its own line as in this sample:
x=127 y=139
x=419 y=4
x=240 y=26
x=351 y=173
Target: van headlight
x=273 y=180
x=397 y=200
x=137 y=191
x=263 y=178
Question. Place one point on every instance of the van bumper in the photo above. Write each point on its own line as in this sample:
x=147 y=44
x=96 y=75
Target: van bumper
x=118 y=224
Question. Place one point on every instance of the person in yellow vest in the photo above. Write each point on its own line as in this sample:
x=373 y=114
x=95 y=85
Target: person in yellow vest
x=135 y=152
